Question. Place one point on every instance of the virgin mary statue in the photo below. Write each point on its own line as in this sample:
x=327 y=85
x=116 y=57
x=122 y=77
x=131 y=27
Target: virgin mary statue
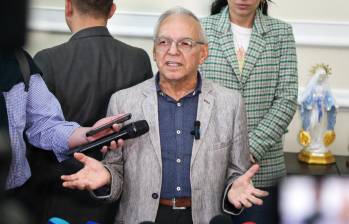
x=318 y=113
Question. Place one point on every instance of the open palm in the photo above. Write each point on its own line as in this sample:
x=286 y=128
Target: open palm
x=243 y=193
x=94 y=175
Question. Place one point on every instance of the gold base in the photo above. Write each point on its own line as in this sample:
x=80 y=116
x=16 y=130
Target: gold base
x=311 y=158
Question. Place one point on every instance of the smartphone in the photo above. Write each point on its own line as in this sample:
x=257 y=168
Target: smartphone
x=110 y=124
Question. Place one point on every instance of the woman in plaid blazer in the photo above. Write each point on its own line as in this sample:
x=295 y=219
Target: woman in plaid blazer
x=256 y=55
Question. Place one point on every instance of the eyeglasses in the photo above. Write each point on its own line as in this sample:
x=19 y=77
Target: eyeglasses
x=163 y=44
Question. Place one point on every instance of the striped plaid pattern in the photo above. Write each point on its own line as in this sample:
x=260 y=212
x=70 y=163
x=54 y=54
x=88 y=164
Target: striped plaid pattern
x=268 y=84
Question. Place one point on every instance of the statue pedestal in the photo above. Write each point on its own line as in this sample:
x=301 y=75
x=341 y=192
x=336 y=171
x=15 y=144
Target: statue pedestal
x=316 y=158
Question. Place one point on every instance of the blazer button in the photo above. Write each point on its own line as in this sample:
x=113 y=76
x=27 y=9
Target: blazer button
x=155 y=196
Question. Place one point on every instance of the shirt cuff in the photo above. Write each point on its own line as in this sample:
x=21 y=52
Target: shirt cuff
x=61 y=142
x=105 y=191
x=227 y=206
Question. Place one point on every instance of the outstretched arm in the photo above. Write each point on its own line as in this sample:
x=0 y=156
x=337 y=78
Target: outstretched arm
x=46 y=126
x=78 y=137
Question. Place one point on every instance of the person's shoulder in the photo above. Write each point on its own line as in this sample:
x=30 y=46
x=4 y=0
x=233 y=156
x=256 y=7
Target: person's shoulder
x=47 y=52
x=130 y=99
x=136 y=89
x=211 y=21
x=134 y=58
x=277 y=25
x=128 y=50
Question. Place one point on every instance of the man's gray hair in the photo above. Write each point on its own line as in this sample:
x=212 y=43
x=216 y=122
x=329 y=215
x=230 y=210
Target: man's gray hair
x=178 y=10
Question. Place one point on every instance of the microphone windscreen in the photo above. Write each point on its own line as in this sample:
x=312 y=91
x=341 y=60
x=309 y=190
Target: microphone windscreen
x=56 y=220
x=136 y=129
x=221 y=219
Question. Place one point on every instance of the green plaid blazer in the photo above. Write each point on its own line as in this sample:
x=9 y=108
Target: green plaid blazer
x=268 y=84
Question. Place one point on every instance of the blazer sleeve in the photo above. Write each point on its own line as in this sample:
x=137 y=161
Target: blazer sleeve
x=274 y=124
x=113 y=161
x=239 y=160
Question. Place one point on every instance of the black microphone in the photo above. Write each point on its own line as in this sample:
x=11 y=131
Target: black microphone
x=131 y=130
x=221 y=219
x=196 y=131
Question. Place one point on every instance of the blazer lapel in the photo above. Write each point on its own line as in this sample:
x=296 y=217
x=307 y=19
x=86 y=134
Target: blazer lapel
x=205 y=105
x=256 y=46
x=150 y=110
x=227 y=41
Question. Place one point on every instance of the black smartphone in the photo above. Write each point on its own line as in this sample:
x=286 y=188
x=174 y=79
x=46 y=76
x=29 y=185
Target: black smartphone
x=110 y=124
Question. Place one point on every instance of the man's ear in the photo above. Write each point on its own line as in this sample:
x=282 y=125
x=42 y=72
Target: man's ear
x=112 y=11
x=68 y=8
x=154 y=57
x=204 y=53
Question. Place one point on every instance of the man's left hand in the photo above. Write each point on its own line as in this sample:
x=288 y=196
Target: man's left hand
x=243 y=193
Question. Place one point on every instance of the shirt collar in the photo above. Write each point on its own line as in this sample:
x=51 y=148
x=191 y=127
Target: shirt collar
x=91 y=32
x=196 y=91
x=260 y=23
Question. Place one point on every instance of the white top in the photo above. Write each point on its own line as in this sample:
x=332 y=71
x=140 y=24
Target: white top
x=242 y=37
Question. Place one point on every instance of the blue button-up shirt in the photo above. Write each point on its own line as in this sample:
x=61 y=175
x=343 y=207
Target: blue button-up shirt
x=176 y=122
x=39 y=112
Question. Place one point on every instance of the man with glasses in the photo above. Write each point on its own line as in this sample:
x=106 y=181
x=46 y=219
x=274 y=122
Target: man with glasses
x=194 y=163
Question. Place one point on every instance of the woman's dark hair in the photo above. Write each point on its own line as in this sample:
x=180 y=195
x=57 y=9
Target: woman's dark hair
x=218 y=5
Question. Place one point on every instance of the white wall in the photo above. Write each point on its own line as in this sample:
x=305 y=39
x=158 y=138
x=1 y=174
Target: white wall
x=321 y=29
x=323 y=10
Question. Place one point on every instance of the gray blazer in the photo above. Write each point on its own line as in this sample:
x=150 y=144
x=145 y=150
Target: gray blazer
x=218 y=158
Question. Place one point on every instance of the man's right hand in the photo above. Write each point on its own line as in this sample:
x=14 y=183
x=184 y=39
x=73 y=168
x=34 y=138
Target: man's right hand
x=93 y=176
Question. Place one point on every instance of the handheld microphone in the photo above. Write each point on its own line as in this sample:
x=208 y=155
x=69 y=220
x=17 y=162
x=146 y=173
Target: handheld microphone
x=131 y=130
x=221 y=219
